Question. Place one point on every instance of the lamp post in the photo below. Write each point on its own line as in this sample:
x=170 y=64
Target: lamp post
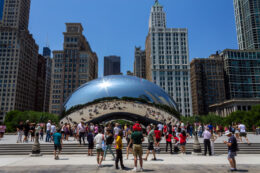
x=196 y=143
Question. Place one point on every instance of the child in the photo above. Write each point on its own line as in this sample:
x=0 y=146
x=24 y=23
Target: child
x=57 y=143
x=119 y=147
x=90 y=139
x=176 y=143
x=41 y=134
x=183 y=141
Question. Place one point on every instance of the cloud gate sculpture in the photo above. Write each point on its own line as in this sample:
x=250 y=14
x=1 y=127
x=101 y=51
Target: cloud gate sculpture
x=120 y=97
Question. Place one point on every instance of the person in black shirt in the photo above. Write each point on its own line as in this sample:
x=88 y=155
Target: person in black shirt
x=26 y=129
x=32 y=131
x=232 y=149
x=19 y=130
x=109 y=142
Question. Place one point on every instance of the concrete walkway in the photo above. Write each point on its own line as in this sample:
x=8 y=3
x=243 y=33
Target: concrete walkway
x=165 y=163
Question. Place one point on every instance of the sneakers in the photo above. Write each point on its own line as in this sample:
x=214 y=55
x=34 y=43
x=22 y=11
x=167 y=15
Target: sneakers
x=141 y=170
x=135 y=169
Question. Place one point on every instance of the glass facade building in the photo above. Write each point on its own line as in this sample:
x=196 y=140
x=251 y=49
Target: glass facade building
x=112 y=65
x=242 y=70
x=247 y=14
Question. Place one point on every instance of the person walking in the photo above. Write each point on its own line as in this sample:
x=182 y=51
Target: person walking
x=242 y=130
x=81 y=130
x=26 y=129
x=151 y=141
x=109 y=142
x=57 y=139
x=128 y=139
x=157 y=133
x=119 y=147
x=232 y=149
x=98 y=140
x=183 y=138
x=19 y=130
x=48 y=131
x=207 y=135
x=90 y=139
x=212 y=141
x=137 y=139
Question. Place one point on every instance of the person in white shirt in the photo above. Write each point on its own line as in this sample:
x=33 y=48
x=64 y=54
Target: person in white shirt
x=81 y=130
x=116 y=130
x=242 y=130
x=48 y=131
x=98 y=140
x=53 y=129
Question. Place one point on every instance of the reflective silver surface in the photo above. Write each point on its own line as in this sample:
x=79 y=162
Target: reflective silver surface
x=119 y=86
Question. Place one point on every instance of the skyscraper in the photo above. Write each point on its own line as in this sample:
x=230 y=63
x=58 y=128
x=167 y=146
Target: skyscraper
x=247 y=14
x=207 y=83
x=167 y=59
x=18 y=58
x=112 y=65
x=73 y=66
x=47 y=90
x=139 y=63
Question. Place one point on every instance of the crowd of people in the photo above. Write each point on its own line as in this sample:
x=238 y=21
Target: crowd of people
x=104 y=138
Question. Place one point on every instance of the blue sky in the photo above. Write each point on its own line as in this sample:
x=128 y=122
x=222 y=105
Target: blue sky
x=115 y=27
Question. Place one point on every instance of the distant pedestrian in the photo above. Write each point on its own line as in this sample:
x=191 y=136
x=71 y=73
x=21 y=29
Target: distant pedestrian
x=57 y=139
x=212 y=143
x=109 y=142
x=81 y=130
x=151 y=142
x=90 y=139
x=19 y=131
x=232 y=149
x=137 y=139
x=157 y=133
x=168 y=138
x=48 y=131
x=183 y=137
x=128 y=139
x=207 y=135
x=119 y=147
x=26 y=129
x=242 y=129
x=99 y=139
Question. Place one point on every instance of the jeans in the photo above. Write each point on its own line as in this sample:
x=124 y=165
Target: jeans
x=119 y=157
x=81 y=135
x=170 y=143
x=20 y=134
x=48 y=136
x=109 y=147
x=207 y=146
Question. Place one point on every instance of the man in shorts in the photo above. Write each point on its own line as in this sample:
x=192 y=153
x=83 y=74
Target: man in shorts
x=57 y=143
x=232 y=149
x=151 y=141
x=242 y=132
x=99 y=139
x=137 y=139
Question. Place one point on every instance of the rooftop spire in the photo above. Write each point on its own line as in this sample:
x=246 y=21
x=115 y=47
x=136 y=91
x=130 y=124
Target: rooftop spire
x=157 y=3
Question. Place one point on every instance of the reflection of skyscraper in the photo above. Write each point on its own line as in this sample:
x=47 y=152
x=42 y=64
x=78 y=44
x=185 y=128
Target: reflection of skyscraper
x=18 y=58
x=247 y=14
x=73 y=66
x=112 y=65
x=167 y=59
x=139 y=64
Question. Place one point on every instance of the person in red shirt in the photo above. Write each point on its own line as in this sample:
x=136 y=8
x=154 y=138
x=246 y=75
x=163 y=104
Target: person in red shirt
x=168 y=138
x=183 y=141
x=157 y=133
x=165 y=129
x=176 y=143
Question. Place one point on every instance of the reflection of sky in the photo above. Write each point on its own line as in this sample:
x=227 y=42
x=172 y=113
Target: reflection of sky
x=119 y=86
x=2 y=2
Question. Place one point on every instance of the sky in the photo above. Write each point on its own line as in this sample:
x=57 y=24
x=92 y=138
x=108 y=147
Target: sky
x=115 y=27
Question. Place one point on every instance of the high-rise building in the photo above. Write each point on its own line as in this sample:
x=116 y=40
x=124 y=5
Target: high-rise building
x=139 y=63
x=40 y=84
x=247 y=14
x=242 y=81
x=73 y=66
x=242 y=70
x=167 y=59
x=112 y=65
x=207 y=83
x=47 y=90
x=18 y=58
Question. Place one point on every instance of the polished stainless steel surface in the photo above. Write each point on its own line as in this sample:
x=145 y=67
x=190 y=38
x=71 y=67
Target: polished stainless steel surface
x=119 y=86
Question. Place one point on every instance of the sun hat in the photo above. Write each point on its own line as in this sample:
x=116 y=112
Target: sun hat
x=227 y=133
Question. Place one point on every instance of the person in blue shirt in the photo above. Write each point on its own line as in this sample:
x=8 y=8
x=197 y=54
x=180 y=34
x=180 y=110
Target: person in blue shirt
x=57 y=138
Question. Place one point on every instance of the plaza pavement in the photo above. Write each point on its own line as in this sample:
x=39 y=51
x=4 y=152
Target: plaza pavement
x=11 y=139
x=165 y=163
